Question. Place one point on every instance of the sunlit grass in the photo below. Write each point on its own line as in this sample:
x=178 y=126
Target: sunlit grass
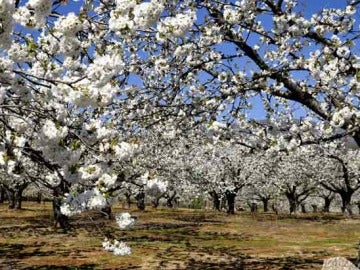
x=176 y=239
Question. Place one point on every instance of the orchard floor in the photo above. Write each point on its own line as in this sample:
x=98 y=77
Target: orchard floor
x=176 y=239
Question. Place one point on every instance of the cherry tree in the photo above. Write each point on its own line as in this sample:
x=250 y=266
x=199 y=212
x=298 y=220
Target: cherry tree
x=263 y=182
x=340 y=174
x=79 y=79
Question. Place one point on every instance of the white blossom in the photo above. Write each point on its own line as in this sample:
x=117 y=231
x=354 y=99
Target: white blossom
x=117 y=247
x=124 y=220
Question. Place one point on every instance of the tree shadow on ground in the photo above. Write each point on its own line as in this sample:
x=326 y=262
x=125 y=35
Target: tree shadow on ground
x=228 y=258
x=20 y=251
x=177 y=233
x=49 y=267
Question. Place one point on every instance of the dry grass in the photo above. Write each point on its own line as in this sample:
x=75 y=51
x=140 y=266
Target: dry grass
x=176 y=239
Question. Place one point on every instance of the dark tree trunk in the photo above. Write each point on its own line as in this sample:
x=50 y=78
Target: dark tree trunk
x=128 y=199
x=356 y=137
x=265 y=202
x=59 y=218
x=170 y=200
x=2 y=194
x=18 y=197
x=253 y=208
x=215 y=200
x=327 y=203
x=38 y=197
x=346 y=202
x=140 y=199
x=155 y=202
x=293 y=202
x=292 y=206
x=230 y=198
x=10 y=194
x=314 y=208
x=19 y=189
x=303 y=208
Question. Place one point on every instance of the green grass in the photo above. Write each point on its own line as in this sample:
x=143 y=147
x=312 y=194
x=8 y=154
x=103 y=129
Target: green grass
x=176 y=239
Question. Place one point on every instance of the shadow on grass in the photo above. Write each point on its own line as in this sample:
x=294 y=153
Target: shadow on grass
x=178 y=233
x=14 y=253
x=18 y=251
x=228 y=258
x=56 y=267
x=313 y=217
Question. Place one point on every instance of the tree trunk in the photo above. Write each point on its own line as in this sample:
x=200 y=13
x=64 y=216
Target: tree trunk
x=155 y=202
x=38 y=197
x=356 y=137
x=18 y=197
x=253 y=208
x=215 y=200
x=293 y=202
x=303 y=208
x=292 y=206
x=230 y=198
x=346 y=202
x=59 y=218
x=128 y=199
x=170 y=200
x=265 y=202
x=140 y=199
x=275 y=209
x=327 y=203
x=2 y=194
x=10 y=194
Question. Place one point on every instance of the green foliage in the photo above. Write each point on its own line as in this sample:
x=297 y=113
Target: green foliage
x=197 y=203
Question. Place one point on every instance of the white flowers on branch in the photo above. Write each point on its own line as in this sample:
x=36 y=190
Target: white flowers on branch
x=77 y=87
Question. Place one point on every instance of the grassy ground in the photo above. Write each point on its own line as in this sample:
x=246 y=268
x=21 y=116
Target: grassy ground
x=176 y=239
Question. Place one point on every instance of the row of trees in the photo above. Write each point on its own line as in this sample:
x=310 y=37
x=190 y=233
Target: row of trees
x=94 y=93
x=186 y=168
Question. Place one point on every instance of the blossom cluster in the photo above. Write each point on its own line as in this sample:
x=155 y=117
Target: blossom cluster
x=117 y=247
x=157 y=184
x=128 y=15
x=34 y=13
x=124 y=220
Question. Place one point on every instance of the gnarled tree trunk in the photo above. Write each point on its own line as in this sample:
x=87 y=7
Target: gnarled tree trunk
x=327 y=203
x=170 y=200
x=346 y=202
x=230 y=198
x=140 y=199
